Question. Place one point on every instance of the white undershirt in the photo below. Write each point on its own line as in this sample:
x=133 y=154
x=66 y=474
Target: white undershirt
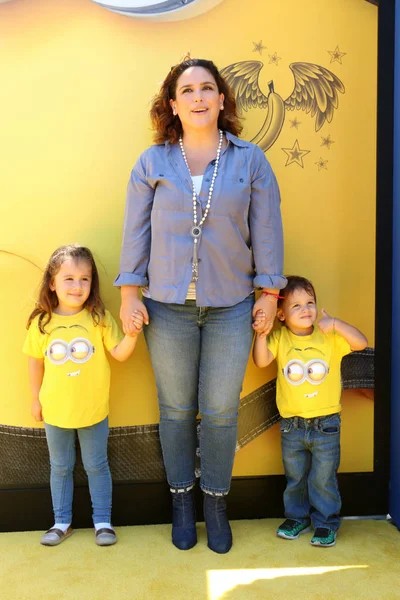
x=191 y=294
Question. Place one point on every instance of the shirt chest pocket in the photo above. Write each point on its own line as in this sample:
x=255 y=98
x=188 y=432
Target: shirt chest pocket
x=231 y=196
x=168 y=194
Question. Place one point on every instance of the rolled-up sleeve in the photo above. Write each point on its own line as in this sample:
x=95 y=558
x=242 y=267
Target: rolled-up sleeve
x=136 y=237
x=266 y=226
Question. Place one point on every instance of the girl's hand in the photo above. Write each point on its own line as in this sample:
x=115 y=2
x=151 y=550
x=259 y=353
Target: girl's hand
x=137 y=320
x=267 y=306
x=36 y=410
x=327 y=323
x=130 y=307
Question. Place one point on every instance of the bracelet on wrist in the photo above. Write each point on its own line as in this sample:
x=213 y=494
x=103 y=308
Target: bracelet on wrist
x=277 y=296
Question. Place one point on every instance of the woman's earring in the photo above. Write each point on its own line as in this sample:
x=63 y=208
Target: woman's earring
x=174 y=112
x=221 y=107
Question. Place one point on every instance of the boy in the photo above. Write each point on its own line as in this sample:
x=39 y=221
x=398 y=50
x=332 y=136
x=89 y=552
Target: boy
x=308 y=393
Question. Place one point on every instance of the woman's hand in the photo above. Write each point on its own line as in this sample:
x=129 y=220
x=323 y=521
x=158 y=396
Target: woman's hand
x=131 y=305
x=265 y=306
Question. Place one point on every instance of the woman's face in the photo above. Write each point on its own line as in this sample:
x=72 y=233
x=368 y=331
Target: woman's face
x=197 y=99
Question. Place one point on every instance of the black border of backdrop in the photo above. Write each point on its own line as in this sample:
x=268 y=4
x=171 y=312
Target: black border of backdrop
x=255 y=497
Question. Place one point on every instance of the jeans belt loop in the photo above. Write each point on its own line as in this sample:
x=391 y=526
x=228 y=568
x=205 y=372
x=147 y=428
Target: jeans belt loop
x=296 y=422
x=316 y=423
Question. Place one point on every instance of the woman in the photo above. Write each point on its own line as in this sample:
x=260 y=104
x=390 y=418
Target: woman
x=202 y=230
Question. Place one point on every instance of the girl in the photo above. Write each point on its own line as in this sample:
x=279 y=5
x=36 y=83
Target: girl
x=70 y=378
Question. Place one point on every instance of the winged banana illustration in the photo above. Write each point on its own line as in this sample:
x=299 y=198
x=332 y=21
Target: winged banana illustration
x=315 y=90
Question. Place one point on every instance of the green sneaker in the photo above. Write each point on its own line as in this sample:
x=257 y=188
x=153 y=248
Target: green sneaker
x=323 y=537
x=291 y=529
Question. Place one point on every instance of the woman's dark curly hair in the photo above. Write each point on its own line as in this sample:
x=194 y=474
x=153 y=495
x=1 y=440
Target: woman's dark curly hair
x=168 y=127
x=48 y=300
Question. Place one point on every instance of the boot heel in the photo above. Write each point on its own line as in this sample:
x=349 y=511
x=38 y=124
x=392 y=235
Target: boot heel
x=219 y=532
x=184 y=535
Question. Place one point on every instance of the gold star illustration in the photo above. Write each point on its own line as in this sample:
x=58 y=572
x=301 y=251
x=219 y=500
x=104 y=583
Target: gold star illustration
x=295 y=123
x=321 y=164
x=327 y=142
x=274 y=58
x=259 y=47
x=336 y=55
x=295 y=155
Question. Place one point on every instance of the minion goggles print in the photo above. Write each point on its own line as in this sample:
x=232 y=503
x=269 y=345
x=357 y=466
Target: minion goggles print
x=78 y=351
x=314 y=371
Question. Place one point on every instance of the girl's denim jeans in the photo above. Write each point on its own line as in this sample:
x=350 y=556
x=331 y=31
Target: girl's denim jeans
x=93 y=442
x=311 y=457
x=199 y=356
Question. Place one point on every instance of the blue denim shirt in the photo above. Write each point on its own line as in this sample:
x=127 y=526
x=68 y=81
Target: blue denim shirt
x=241 y=245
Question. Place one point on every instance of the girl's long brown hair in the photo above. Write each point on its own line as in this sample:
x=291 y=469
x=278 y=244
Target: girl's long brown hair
x=168 y=127
x=48 y=300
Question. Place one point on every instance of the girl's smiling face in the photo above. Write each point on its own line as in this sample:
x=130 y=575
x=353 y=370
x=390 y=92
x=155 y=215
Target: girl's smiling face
x=72 y=285
x=197 y=99
x=299 y=312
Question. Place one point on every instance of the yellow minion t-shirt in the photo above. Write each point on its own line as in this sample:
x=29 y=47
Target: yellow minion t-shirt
x=308 y=383
x=76 y=382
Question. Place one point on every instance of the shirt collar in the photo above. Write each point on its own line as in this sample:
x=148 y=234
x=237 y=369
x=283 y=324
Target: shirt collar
x=235 y=140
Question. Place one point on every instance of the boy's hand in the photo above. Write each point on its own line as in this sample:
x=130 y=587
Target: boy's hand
x=259 y=323
x=137 y=319
x=267 y=304
x=36 y=410
x=327 y=323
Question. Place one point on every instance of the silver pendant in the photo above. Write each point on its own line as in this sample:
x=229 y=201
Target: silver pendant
x=195 y=232
x=195 y=261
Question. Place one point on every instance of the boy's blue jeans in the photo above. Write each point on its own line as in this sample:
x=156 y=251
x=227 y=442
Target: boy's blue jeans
x=311 y=457
x=199 y=357
x=93 y=443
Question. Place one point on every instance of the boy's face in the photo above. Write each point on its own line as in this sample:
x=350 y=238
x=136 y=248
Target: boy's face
x=298 y=312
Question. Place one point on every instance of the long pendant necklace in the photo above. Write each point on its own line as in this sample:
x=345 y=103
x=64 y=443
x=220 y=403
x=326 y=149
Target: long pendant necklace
x=195 y=230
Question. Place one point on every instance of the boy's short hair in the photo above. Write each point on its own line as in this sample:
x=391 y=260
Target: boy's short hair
x=295 y=282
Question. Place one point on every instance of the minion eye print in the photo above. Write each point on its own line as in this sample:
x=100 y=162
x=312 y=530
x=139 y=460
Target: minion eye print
x=314 y=371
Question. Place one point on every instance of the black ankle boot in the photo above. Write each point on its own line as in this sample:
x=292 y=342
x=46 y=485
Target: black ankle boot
x=184 y=534
x=219 y=532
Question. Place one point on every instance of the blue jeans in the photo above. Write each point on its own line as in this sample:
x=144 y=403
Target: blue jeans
x=93 y=442
x=311 y=457
x=199 y=356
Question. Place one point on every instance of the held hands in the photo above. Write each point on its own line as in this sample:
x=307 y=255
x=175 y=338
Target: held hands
x=36 y=410
x=264 y=312
x=133 y=314
x=327 y=323
x=259 y=322
x=137 y=319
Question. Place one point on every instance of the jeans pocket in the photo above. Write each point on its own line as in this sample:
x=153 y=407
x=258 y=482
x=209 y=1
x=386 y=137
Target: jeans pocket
x=330 y=425
x=285 y=425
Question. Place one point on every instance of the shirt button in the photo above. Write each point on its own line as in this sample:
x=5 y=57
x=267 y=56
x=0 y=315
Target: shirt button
x=208 y=179
x=161 y=174
x=241 y=180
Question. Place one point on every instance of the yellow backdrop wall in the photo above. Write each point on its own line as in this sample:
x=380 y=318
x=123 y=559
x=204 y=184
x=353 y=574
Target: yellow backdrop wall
x=76 y=85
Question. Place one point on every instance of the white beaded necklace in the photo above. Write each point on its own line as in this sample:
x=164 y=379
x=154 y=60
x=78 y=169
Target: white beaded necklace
x=195 y=231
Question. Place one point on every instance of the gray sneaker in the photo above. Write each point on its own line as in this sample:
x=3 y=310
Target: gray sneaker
x=291 y=529
x=106 y=537
x=55 y=536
